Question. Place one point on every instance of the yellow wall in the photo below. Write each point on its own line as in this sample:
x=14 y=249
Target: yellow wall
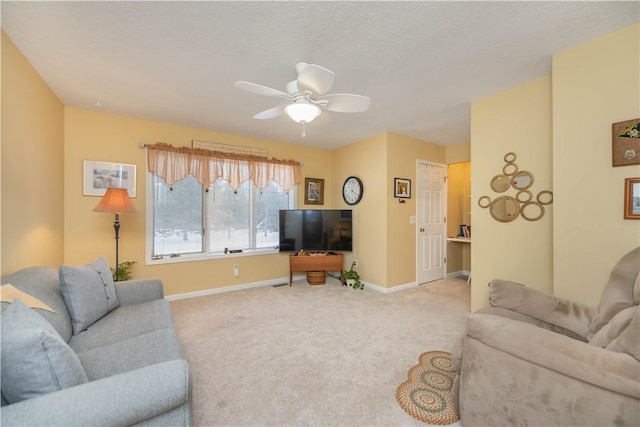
x=104 y=137
x=59 y=225
x=517 y=120
x=560 y=128
x=458 y=153
x=594 y=85
x=366 y=160
x=385 y=243
x=402 y=153
x=32 y=166
x=458 y=212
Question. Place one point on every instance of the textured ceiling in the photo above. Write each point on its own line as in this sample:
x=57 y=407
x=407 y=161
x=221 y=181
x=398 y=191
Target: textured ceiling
x=421 y=63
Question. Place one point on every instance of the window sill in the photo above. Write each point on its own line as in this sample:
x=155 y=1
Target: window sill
x=167 y=259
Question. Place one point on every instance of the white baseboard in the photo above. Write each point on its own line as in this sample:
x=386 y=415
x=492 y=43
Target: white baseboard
x=393 y=289
x=458 y=274
x=272 y=282
x=233 y=288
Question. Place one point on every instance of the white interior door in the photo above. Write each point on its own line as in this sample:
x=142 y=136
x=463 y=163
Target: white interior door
x=431 y=222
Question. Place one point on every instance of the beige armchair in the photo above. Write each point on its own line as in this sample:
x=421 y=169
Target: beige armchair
x=533 y=359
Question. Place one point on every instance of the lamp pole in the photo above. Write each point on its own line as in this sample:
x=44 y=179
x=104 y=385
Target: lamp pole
x=116 y=227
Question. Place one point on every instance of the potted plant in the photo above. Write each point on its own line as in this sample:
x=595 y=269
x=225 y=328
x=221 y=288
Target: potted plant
x=124 y=271
x=351 y=279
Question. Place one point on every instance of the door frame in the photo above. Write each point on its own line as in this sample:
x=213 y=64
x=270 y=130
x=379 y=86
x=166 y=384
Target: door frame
x=444 y=206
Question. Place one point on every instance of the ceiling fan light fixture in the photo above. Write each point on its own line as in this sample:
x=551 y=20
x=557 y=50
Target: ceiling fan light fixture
x=302 y=112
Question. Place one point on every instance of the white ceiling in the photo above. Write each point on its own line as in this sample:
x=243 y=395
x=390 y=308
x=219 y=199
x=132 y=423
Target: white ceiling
x=421 y=63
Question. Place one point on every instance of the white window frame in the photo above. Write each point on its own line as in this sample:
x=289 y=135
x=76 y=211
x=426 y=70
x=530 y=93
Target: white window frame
x=201 y=256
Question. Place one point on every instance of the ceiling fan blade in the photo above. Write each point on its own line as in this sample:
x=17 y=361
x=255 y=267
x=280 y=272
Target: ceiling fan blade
x=345 y=103
x=316 y=79
x=270 y=113
x=260 y=90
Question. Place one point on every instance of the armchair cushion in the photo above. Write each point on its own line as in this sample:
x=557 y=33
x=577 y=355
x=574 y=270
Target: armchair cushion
x=35 y=359
x=88 y=292
x=606 y=369
x=513 y=296
x=622 y=333
x=622 y=291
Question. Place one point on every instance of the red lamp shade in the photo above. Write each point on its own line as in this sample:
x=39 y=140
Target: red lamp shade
x=115 y=200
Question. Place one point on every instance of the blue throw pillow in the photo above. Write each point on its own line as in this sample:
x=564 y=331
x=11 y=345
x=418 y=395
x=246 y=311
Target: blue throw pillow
x=35 y=359
x=88 y=292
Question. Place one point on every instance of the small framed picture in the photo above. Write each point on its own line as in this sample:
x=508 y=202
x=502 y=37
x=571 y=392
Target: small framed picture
x=98 y=176
x=625 y=143
x=632 y=198
x=313 y=191
x=402 y=188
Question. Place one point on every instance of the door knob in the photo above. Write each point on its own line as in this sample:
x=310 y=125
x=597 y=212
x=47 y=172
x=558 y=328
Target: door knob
x=421 y=230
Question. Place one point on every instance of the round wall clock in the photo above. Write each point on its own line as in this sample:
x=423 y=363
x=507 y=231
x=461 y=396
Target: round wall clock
x=352 y=190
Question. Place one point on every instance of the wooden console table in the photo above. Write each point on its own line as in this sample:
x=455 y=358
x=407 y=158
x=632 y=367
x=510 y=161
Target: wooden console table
x=328 y=262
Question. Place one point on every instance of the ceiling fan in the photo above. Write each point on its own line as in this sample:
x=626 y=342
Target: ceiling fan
x=307 y=96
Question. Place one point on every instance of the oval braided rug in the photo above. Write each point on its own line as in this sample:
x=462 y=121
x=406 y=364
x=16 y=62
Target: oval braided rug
x=426 y=395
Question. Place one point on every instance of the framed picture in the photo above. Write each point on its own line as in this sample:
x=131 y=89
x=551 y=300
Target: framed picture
x=98 y=176
x=625 y=143
x=402 y=188
x=313 y=191
x=632 y=198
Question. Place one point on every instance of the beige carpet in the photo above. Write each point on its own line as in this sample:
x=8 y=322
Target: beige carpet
x=312 y=355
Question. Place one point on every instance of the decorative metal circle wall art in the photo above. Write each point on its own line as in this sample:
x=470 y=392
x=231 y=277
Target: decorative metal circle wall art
x=507 y=208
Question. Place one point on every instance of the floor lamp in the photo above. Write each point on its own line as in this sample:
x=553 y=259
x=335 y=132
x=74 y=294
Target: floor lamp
x=116 y=201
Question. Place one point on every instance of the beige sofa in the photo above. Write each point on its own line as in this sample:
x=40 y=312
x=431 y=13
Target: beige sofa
x=533 y=359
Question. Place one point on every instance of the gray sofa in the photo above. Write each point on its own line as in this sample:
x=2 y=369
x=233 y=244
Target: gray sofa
x=130 y=370
x=538 y=360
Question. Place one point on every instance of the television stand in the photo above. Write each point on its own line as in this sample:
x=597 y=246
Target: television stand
x=310 y=263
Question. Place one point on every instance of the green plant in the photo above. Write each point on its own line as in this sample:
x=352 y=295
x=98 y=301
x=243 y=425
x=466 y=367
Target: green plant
x=351 y=279
x=124 y=271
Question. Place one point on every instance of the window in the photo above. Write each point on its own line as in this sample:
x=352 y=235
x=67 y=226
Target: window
x=189 y=220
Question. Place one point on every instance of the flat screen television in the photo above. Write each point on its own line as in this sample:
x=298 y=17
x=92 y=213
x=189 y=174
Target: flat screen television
x=316 y=230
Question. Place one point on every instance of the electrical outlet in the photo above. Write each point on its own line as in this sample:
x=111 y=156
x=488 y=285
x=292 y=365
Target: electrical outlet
x=236 y=270
x=355 y=262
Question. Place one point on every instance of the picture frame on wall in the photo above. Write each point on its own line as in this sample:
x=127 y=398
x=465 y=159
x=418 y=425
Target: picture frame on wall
x=625 y=143
x=402 y=188
x=632 y=198
x=313 y=191
x=98 y=176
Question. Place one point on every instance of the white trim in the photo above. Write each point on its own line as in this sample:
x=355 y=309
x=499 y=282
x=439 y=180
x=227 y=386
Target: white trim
x=284 y=280
x=391 y=290
x=233 y=288
x=458 y=274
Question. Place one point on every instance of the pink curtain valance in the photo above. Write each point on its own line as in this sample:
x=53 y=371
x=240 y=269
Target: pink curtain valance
x=174 y=163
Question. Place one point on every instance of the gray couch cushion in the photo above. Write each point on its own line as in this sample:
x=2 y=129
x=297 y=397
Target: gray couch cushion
x=35 y=359
x=124 y=323
x=127 y=355
x=44 y=284
x=88 y=292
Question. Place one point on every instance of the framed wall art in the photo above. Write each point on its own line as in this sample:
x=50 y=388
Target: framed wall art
x=98 y=176
x=402 y=188
x=632 y=198
x=625 y=143
x=313 y=191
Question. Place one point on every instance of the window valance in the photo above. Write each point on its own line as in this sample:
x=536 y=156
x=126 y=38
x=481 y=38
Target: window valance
x=174 y=163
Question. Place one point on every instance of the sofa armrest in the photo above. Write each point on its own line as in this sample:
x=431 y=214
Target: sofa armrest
x=140 y=290
x=567 y=314
x=618 y=372
x=122 y=399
